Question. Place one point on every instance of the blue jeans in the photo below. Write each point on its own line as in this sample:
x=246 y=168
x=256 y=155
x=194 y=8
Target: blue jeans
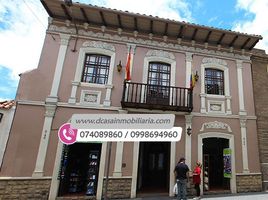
x=181 y=184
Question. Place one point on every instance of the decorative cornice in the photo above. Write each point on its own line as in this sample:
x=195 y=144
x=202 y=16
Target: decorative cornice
x=216 y=125
x=99 y=45
x=174 y=46
x=160 y=53
x=215 y=61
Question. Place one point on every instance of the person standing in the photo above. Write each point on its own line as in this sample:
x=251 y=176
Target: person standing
x=197 y=179
x=182 y=176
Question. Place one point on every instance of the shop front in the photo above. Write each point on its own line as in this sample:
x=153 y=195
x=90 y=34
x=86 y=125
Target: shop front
x=79 y=169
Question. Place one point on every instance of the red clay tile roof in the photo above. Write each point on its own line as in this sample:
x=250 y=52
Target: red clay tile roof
x=7 y=104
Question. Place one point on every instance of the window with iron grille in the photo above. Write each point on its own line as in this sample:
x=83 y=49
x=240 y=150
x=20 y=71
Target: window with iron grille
x=214 y=81
x=159 y=79
x=96 y=69
x=1 y=116
x=159 y=74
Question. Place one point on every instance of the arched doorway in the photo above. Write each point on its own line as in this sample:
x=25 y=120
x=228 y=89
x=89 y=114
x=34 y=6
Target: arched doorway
x=210 y=151
x=213 y=165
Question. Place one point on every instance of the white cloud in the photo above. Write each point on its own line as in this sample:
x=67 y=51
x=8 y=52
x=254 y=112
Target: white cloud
x=258 y=25
x=171 y=9
x=21 y=34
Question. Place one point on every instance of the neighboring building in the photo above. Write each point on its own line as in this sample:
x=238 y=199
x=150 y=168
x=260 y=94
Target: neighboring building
x=7 y=110
x=260 y=88
x=78 y=73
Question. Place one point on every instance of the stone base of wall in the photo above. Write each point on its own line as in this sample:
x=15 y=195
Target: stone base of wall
x=264 y=170
x=25 y=189
x=118 y=188
x=77 y=198
x=249 y=183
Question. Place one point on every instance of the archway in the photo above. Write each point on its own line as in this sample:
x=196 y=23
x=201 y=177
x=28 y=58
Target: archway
x=210 y=145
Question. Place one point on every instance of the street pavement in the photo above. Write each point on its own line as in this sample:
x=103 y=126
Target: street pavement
x=246 y=196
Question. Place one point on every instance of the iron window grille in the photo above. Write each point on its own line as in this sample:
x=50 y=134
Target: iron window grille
x=96 y=69
x=214 y=81
x=159 y=80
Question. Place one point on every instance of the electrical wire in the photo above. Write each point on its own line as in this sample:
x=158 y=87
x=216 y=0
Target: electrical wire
x=38 y=19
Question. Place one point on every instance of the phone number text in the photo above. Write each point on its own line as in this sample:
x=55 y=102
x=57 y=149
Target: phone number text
x=173 y=134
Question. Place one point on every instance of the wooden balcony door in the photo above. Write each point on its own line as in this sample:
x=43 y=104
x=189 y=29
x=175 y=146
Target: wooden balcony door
x=158 y=91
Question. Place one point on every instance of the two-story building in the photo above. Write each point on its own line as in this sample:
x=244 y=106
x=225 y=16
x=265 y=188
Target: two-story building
x=79 y=73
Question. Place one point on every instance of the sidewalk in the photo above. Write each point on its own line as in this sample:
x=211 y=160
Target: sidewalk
x=241 y=196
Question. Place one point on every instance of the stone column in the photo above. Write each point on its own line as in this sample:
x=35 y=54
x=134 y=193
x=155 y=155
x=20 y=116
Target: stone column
x=188 y=140
x=64 y=40
x=41 y=156
x=118 y=159
x=119 y=154
x=203 y=95
x=172 y=166
x=135 y=169
x=72 y=99
x=243 y=128
x=101 y=170
x=107 y=100
x=242 y=113
x=189 y=60
x=239 y=66
x=54 y=186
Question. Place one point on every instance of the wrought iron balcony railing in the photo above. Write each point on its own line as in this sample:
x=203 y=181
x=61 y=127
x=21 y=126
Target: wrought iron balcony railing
x=141 y=95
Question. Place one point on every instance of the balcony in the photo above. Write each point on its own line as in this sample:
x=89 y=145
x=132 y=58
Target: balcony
x=155 y=97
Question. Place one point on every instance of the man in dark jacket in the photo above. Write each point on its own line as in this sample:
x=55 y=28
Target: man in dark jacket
x=182 y=175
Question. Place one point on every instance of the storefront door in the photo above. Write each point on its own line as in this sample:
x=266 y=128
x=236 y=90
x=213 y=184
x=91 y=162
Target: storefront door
x=79 y=169
x=153 y=173
x=213 y=165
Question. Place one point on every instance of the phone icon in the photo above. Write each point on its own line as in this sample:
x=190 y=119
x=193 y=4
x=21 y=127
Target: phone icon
x=66 y=136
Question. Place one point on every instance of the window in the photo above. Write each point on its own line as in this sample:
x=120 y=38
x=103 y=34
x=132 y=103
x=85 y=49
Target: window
x=1 y=116
x=96 y=69
x=214 y=81
x=158 y=83
x=159 y=74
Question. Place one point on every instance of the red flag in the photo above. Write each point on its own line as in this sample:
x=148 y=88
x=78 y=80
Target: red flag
x=128 y=67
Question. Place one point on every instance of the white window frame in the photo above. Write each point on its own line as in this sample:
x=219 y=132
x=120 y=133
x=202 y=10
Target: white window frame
x=163 y=57
x=80 y=65
x=218 y=64
x=226 y=78
x=94 y=47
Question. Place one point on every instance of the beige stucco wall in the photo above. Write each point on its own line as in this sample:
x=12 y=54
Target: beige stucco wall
x=253 y=151
x=23 y=144
x=35 y=85
x=127 y=159
x=248 y=89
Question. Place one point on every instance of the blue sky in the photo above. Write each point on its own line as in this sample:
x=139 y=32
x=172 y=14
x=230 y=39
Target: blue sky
x=23 y=24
